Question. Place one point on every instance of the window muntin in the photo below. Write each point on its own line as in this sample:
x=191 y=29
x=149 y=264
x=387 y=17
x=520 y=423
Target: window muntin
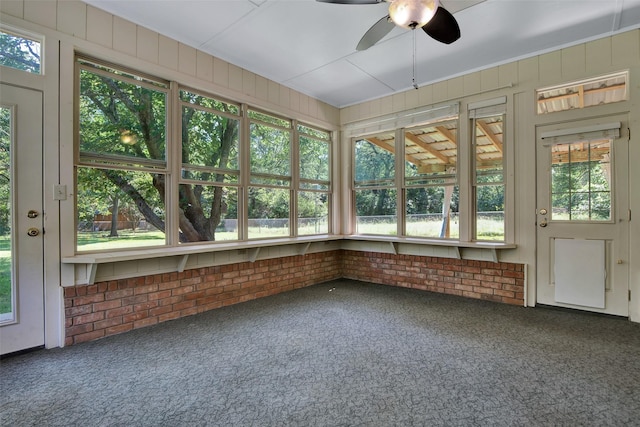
x=431 y=191
x=121 y=163
x=489 y=183
x=374 y=185
x=314 y=183
x=581 y=185
x=20 y=52
x=582 y=94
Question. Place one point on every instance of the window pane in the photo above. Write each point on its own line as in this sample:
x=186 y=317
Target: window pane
x=489 y=178
x=6 y=269
x=431 y=151
x=209 y=103
x=490 y=212
x=121 y=122
x=313 y=213
x=268 y=119
x=268 y=212
x=489 y=148
x=375 y=161
x=432 y=212
x=209 y=141
x=119 y=209
x=314 y=159
x=270 y=151
x=20 y=53
x=208 y=213
x=376 y=211
x=581 y=181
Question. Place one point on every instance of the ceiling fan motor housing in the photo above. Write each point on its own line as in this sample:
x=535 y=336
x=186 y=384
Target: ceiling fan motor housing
x=412 y=13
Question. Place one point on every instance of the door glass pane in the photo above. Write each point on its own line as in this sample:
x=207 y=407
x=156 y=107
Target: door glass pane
x=6 y=269
x=581 y=181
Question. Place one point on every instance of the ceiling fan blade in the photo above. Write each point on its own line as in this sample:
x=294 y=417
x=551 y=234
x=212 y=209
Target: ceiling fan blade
x=443 y=27
x=376 y=33
x=351 y=1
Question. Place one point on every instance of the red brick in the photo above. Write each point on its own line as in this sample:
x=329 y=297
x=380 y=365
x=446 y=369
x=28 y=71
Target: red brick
x=107 y=323
x=182 y=290
x=76 y=311
x=118 y=294
x=88 y=318
x=89 y=299
x=89 y=336
x=146 y=289
x=160 y=310
x=145 y=322
x=168 y=316
x=118 y=329
x=119 y=311
x=79 y=329
x=106 y=305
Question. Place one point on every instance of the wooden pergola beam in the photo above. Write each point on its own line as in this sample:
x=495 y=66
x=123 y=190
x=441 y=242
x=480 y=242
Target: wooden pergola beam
x=484 y=127
x=449 y=136
x=435 y=153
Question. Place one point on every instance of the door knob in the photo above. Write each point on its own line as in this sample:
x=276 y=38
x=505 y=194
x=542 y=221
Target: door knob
x=543 y=223
x=33 y=232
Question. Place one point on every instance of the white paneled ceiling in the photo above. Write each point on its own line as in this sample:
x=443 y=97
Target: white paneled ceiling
x=310 y=46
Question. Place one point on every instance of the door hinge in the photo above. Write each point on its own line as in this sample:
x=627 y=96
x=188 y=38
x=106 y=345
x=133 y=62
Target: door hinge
x=629 y=215
x=629 y=294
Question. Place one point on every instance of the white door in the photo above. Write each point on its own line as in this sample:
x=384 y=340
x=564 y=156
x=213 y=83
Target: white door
x=583 y=215
x=21 y=219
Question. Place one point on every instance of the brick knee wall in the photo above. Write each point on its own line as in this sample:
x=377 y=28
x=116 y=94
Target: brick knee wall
x=494 y=281
x=108 y=308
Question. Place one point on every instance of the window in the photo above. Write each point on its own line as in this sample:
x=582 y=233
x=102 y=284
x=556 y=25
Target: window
x=582 y=94
x=431 y=193
x=374 y=185
x=581 y=165
x=214 y=183
x=313 y=196
x=581 y=181
x=210 y=177
x=269 y=204
x=121 y=162
x=20 y=52
x=488 y=172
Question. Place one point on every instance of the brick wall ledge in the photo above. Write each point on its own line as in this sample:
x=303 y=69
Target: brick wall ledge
x=93 y=259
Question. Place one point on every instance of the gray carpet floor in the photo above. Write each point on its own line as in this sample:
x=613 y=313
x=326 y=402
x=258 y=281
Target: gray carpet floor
x=342 y=353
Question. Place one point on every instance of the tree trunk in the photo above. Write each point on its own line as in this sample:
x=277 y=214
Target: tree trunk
x=114 y=215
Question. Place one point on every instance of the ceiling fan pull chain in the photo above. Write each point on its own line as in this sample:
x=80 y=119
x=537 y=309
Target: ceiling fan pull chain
x=415 y=85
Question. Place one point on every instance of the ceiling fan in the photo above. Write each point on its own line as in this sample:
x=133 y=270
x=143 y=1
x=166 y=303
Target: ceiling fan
x=434 y=19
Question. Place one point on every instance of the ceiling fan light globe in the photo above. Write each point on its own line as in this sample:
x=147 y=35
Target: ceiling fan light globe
x=412 y=13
